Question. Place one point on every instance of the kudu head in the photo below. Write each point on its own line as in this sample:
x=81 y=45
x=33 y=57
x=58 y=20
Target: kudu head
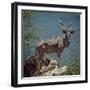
x=67 y=31
x=67 y=34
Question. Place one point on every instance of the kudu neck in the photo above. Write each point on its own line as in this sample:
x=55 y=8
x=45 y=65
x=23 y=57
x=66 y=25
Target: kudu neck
x=66 y=41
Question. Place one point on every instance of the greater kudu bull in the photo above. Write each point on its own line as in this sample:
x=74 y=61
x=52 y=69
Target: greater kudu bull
x=55 y=45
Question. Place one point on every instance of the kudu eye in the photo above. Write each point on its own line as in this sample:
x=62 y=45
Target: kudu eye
x=71 y=32
x=64 y=31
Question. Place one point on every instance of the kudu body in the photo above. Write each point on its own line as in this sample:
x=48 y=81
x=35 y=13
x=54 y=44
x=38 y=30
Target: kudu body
x=55 y=45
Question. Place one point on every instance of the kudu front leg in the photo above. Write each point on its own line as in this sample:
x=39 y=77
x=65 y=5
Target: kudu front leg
x=58 y=58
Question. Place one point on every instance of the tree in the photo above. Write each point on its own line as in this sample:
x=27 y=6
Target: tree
x=28 y=30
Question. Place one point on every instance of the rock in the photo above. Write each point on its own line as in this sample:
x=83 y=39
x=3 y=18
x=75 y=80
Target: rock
x=33 y=65
x=46 y=69
x=53 y=70
x=65 y=70
x=52 y=65
x=53 y=62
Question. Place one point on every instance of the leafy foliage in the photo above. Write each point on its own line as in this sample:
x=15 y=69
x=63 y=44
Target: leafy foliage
x=29 y=33
x=75 y=66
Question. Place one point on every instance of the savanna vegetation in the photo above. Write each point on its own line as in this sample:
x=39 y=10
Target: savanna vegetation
x=75 y=66
x=29 y=31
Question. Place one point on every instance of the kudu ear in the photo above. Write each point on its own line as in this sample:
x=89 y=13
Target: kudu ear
x=64 y=31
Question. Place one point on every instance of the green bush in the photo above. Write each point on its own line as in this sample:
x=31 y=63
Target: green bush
x=75 y=66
